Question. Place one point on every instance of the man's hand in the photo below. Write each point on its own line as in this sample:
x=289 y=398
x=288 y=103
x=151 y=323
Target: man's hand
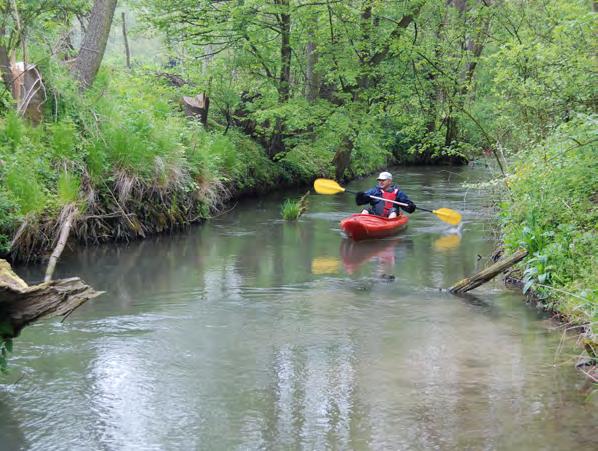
x=362 y=198
x=410 y=208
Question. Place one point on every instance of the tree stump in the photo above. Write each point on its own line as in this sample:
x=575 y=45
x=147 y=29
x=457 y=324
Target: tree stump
x=29 y=91
x=197 y=107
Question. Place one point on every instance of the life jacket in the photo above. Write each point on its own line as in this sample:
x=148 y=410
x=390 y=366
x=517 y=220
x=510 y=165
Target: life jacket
x=392 y=195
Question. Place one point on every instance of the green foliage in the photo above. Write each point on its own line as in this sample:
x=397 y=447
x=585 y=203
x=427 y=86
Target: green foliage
x=8 y=221
x=69 y=187
x=62 y=140
x=254 y=171
x=13 y=129
x=23 y=185
x=545 y=72
x=554 y=216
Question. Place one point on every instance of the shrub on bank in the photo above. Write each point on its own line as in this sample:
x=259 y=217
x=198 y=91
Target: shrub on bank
x=125 y=152
x=553 y=214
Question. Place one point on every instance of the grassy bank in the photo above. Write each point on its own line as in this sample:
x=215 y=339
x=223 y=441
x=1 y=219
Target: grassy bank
x=553 y=213
x=126 y=156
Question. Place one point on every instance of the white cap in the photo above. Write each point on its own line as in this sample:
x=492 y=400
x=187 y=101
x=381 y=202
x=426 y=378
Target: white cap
x=385 y=176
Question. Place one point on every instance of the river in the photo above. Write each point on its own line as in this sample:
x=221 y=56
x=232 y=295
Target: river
x=248 y=332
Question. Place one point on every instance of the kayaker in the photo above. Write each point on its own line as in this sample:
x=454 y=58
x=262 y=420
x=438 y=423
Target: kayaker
x=388 y=191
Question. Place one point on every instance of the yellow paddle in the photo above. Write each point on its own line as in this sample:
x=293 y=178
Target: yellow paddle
x=326 y=186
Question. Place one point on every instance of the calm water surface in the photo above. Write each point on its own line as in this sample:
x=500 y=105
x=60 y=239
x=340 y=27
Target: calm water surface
x=252 y=333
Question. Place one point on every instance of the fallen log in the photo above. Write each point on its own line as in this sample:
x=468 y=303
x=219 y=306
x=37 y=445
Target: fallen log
x=487 y=274
x=21 y=304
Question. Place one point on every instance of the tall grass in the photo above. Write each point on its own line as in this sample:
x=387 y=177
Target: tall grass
x=24 y=187
x=68 y=188
x=13 y=129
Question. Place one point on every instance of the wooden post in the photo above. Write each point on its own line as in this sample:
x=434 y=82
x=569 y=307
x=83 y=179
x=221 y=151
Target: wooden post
x=487 y=274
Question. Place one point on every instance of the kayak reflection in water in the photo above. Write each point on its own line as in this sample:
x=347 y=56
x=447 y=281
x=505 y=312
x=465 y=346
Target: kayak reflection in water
x=388 y=191
x=355 y=253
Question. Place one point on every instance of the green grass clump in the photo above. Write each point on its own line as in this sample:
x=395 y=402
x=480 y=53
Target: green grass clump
x=291 y=209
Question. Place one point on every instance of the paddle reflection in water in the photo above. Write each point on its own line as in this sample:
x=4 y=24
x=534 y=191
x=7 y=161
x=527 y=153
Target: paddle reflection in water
x=325 y=265
x=356 y=253
x=447 y=242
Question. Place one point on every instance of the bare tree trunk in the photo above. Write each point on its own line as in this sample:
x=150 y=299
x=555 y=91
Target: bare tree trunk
x=5 y=67
x=284 y=86
x=435 y=95
x=342 y=158
x=197 y=107
x=284 y=80
x=452 y=129
x=474 y=47
x=127 y=51
x=94 y=44
x=312 y=78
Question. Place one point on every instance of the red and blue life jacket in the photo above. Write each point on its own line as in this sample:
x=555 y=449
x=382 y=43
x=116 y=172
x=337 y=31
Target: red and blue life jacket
x=389 y=195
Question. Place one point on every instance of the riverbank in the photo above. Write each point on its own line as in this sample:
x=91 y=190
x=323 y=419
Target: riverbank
x=129 y=163
x=552 y=212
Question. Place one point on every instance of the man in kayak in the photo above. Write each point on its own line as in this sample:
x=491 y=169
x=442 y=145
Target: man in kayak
x=388 y=191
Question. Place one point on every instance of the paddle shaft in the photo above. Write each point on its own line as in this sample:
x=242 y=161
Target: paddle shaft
x=391 y=201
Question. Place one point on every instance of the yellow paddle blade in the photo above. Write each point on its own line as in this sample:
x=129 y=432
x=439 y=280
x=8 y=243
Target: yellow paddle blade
x=326 y=186
x=448 y=215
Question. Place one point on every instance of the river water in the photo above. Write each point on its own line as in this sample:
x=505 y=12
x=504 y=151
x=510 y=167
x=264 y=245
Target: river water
x=249 y=332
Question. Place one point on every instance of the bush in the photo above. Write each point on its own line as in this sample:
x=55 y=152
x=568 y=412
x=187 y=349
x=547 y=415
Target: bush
x=554 y=216
x=9 y=219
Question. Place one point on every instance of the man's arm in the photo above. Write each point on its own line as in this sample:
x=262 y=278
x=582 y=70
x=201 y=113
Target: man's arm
x=364 y=197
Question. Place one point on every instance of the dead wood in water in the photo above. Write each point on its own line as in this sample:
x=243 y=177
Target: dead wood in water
x=21 y=304
x=487 y=274
x=67 y=217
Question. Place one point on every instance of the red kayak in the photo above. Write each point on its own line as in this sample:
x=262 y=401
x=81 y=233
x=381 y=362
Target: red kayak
x=364 y=227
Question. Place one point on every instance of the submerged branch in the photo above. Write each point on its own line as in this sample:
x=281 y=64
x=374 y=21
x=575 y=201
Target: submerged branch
x=487 y=274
